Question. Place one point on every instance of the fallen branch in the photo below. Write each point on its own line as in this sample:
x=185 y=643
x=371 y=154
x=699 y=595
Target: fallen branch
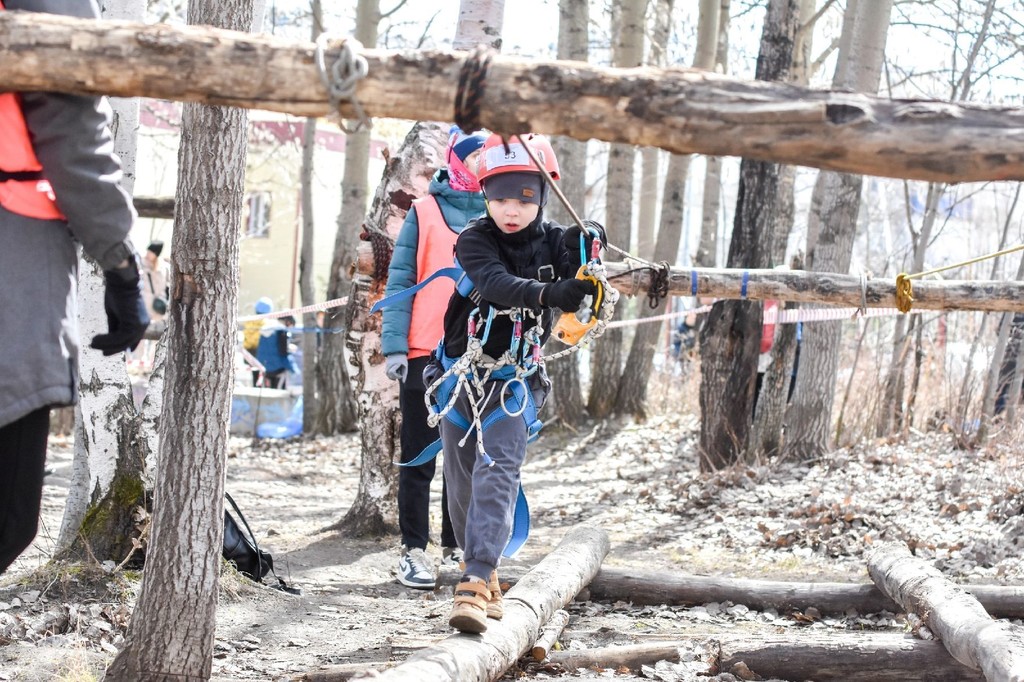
x=549 y=635
x=661 y=588
x=528 y=606
x=957 y=618
x=630 y=656
x=681 y=110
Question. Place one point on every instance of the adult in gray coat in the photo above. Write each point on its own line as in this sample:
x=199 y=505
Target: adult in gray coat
x=59 y=191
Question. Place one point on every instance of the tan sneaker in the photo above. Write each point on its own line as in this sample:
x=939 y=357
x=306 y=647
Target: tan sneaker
x=495 y=609
x=469 y=613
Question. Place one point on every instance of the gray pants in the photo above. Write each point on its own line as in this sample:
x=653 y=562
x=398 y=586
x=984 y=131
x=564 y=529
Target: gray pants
x=481 y=498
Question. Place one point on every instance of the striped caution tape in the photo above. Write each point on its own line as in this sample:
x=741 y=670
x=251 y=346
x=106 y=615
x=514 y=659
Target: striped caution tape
x=316 y=307
x=775 y=316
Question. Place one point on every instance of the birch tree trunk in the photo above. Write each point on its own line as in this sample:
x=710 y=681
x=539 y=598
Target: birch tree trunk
x=310 y=340
x=171 y=633
x=407 y=176
x=810 y=414
x=713 y=20
x=606 y=353
x=338 y=412
x=573 y=44
x=480 y=23
x=730 y=337
x=110 y=449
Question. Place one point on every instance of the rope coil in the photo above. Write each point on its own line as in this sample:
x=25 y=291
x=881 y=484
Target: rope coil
x=341 y=78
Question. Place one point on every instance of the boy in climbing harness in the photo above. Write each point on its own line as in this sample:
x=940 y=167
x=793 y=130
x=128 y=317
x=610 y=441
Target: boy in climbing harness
x=411 y=329
x=486 y=380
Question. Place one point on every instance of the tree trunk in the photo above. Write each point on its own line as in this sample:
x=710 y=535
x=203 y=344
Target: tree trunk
x=407 y=176
x=110 y=449
x=310 y=340
x=567 y=394
x=480 y=23
x=606 y=353
x=187 y=534
x=631 y=397
x=679 y=110
x=338 y=411
x=865 y=27
x=528 y=606
x=713 y=26
x=969 y=634
x=731 y=335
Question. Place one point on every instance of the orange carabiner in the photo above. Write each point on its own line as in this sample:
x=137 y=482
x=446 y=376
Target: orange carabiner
x=571 y=326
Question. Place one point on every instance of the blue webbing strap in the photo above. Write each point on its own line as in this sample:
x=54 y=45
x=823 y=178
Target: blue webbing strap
x=453 y=273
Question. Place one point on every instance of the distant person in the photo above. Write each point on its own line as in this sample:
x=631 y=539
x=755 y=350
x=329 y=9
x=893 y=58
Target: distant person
x=684 y=338
x=410 y=333
x=274 y=351
x=59 y=188
x=154 y=282
x=251 y=332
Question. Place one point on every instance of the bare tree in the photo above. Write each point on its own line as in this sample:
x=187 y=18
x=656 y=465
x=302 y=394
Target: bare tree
x=480 y=23
x=606 y=356
x=183 y=558
x=334 y=386
x=716 y=23
x=573 y=34
x=862 y=48
x=730 y=338
x=310 y=342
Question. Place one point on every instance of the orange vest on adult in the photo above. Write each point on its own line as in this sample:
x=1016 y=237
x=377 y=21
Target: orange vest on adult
x=23 y=190
x=435 y=249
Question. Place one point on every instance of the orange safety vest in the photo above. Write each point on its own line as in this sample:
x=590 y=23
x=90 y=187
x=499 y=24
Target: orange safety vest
x=23 y=190
x=435 y=250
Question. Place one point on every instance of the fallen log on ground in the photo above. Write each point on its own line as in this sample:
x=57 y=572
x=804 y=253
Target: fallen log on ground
x=957 y=618
x=840 y=656
x=630 y=656
x=681 y=110
x=795 y=655
x=649 y=588
x=528 y=606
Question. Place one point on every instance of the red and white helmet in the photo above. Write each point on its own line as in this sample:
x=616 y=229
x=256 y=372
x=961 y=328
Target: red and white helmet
x=496 y=158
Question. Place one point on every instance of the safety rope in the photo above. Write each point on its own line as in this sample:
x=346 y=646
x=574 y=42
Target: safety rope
x=905 y=290
x=341 y=78
x=470 y=90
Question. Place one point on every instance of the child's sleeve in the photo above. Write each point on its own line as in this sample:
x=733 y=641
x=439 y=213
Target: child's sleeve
x=478 y=254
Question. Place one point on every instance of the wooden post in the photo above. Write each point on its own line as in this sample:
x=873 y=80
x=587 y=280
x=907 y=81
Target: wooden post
x=680 y=110
x=956 y=618
x=528 y=606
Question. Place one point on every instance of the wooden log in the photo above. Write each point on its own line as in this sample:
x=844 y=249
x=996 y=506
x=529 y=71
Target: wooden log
x=549 y=635
x=819 y=288
x=678 y=109
x=528 y=606
x=845 y=656
x=630 y=656
x=649 y=588
x=972 y=636
x=154 y=207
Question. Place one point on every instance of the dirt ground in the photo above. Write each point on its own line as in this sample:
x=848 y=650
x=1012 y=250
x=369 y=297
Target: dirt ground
x=639 y=482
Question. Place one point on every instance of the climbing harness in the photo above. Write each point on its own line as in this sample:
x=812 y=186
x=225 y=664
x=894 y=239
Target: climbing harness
x=340 y=79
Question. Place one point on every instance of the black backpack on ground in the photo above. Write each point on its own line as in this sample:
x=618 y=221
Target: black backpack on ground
x=245 y=553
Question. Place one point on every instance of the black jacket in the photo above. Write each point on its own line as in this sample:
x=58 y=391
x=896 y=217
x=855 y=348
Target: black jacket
x=508 y=271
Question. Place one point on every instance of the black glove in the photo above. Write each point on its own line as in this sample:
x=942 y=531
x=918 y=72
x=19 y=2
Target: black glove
x=567 y=294
x=571 y=240
x=127 y=318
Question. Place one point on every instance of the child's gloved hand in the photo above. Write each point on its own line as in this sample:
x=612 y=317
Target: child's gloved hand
x=567 y=294
x=571 y=240
x=397 y=366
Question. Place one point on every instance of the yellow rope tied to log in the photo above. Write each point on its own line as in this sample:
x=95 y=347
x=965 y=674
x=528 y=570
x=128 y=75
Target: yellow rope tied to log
x=905 y=291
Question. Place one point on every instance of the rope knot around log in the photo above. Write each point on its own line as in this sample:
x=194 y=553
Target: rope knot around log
x=471 y=88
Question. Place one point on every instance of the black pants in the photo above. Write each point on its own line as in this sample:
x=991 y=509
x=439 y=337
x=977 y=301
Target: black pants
x=414 y=482
x=22 y=461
